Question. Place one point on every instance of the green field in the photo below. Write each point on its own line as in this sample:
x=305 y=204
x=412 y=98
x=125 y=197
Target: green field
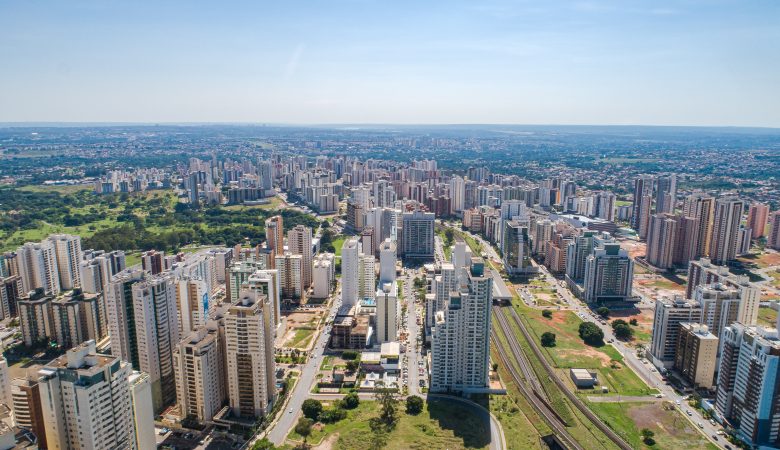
x=439 y=426
x=767 y=317
x=301 y=338
x=571 y=352
x=672 y=430
x=337 y=243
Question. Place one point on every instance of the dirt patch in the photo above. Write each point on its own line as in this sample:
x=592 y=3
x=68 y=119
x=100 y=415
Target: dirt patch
x=586 y=352
x=654 y=415
x=328 y=443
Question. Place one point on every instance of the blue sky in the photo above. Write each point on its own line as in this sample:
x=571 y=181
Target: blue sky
x=548 y=62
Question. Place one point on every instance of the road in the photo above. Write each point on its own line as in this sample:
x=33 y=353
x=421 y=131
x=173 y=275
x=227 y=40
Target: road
x=413 y=311
x=287 y=419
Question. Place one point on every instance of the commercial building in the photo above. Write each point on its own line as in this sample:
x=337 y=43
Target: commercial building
x=418 y=235
x=696 y=355
x=609 y=274
x=516 y=247
x=249 y=337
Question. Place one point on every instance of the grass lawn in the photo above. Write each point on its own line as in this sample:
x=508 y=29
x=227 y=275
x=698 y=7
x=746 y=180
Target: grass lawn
x=132 y=258
x=441 y=425
x=60 y=189
x=571 y=352
x=337 y=243
x=327 y=363
x=672 y=430
x=767 y=317
x=301 y=338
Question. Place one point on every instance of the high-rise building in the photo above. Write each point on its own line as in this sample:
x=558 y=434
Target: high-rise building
x=387 y=260
x=748 y=390
x=609 y=274
x=249 y=337
x=457 y=194
x=703 y=272
x=299 y=243
x=86 y=401
x=67 y=248
x=643 y=198
x=756 y=219
x=274 y=235
x=350 y=253
x=10 y=294
x=199 y=364
x=387 y=312
x=722 y=305
x=141 y=399
x=773 y=240
x=36 y=318
x=666 y=194
x=460 y=341
x=577 y=252
x=669 y=314
x=28 y=413
x=701 y=206
x=696 y=355
x=323 y=275
x=268 y=283
x=418 y=233
x=516 y=247
x=662 y=241
x=152 y=261
x=143 y=322
x=290 y=269
x=37 y=264
x=79 y=317
x=725 y=229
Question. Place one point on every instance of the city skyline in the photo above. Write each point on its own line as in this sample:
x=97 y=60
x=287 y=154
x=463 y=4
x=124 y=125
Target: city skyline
x=594 y=62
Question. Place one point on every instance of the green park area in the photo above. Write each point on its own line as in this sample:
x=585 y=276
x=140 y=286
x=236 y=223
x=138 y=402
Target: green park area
x=671 y=430
x=440 y=424
x=132 y=222
x=571 y=352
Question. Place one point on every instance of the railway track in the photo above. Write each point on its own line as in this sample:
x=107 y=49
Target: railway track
x=536 y=398
x=582 y=407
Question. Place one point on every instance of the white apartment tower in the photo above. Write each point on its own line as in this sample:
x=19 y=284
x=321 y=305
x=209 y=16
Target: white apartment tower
x=87 y=402
x=460 y=346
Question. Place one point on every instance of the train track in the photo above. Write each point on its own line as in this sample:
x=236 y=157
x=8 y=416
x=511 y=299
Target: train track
x=536 y=398
x=582 y=407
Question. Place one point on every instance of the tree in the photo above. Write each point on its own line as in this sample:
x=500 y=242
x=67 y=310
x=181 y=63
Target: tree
x=547 y=314
x=351 y=401
x=617 y=322
x=414 y=405
x=623 y=331
x=449 y=235
x=303 y=428
x=634 y=322
x=311 y=408
x=495 y=366
x=647 y=436
x=388 y=415
x=349 y=354
x=332 y=415
x=352 y=365
x=548 y=339
x=603 y=312
x=263 y=444
x=591 y=333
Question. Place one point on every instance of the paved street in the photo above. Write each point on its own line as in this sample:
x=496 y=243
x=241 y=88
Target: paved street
x=286 y=420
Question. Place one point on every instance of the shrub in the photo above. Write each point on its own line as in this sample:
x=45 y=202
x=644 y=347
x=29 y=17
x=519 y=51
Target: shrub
x=548 y=339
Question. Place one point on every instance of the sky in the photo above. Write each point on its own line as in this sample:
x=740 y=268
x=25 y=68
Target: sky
x=712 y=62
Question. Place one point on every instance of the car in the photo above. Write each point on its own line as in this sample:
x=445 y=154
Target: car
x=290 y=411
x=714 y=437
x=701 y=425
x=689 y=412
